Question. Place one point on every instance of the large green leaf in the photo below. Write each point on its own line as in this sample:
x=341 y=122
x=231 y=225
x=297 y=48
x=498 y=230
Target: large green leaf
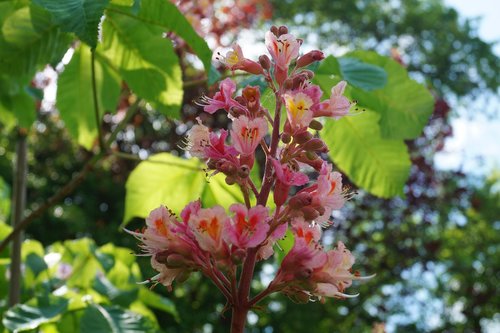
x=24 y=317
x=145 y=60
x=168 y=180
x=29 y=40
x=75 y=97
x=403 y=104
x=381 y=166
x=112 y=319
x=166 y=15
x=79 y=16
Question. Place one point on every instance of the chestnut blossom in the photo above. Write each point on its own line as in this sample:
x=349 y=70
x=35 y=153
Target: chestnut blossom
x=337 y=105
x=247 y=133
x=222 y=99
x=248 y=227
x=207 y=225
x=225 y=246
x=198 y=138
x=283 y=49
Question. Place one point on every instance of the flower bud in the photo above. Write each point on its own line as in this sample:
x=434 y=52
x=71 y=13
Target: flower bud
x=309 y=213
x=244 y=171
x=162 y=257
x=311 y=155
x=321 y=210
x=302 y=137
x=308 y=73
x=230 y=180
x=265 y=62
x=283 y=30
x=288 y=84
x=300 y=200
x=316 y=125
x=274 y=30
x=252 y=97
x=175 y=261
x=309 y=58
x=314 y=145
x=252 y=67
x=285 y=137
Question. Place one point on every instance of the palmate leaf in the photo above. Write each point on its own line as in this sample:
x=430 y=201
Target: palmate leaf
x=145 y=60
x=24 y=317
x=113 y=319
x=29 y=40
x=168 y=180
x=79 y=16
x=381 y=166
x=75 y=97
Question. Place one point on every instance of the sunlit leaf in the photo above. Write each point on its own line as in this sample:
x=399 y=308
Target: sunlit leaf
x=75 y=96
x=168 y=180
x=145 y=60
x=381 y=166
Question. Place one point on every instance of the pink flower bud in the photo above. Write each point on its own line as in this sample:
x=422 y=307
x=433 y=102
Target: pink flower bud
x=309 y=58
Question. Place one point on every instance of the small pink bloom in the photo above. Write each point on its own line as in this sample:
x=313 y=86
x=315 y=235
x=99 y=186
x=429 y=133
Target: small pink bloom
x=198 y=138
x=218 y=148
x=222 y=99
x=301 y=261
x=283 y=49
x=305 y=230
x=207 y=225
x=235 y=59
x=329 y=192
x=248 y=227
x=247 y=133
x=337 y=106
x=335 y=275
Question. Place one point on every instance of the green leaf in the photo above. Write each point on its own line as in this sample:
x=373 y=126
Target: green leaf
x=362 y=75
x=381 y=166
x=75 y=97
x=166 y=15
x=24 y=317
x=404 y=105
x=28 y=41
x=79 y=16
x=5 y=230
x=155 y=301
x=172 y=181
x=112 y=319
x=36 y=263
x=145 y=60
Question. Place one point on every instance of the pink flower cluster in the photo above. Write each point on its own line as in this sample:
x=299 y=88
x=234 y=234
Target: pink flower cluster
x=225 y=246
